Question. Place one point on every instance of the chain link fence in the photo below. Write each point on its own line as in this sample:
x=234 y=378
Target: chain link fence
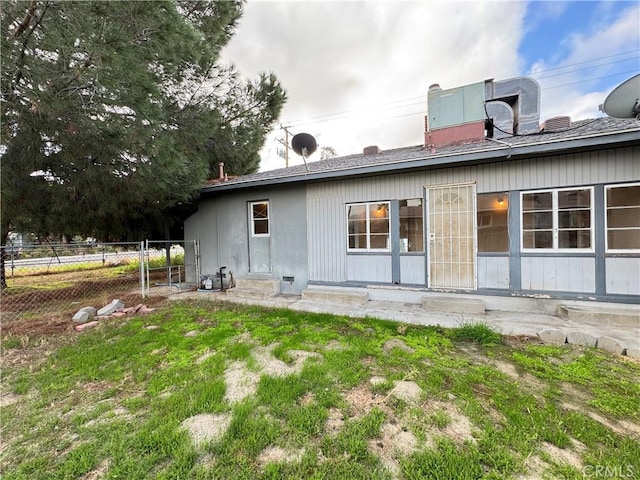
x=170 y=267
x=46 y=284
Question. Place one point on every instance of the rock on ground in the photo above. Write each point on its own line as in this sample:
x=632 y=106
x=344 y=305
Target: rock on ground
x=84 y=315
x=580 y=338
x=611 y=345
x=553 y=336
x=111 y=308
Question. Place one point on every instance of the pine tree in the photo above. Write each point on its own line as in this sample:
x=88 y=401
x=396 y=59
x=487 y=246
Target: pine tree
x=115 y=112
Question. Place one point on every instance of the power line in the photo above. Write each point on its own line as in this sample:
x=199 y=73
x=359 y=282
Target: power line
x=586 y=68
x=586 y=61
x=345 y=113
x=363 y=108
x=590 y=79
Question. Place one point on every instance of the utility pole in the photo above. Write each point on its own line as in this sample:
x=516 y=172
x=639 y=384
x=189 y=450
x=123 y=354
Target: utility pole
x=285 y=142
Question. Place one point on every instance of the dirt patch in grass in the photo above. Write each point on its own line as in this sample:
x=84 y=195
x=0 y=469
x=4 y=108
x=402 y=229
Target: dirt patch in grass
x=47 y=325
x=334 y=345
x=274 y=454
x=510 y=370
x=576 y=394
x=448 y=421
x=473 y=352
x=621 y=427
x=335 y=421
x=535 y=467
x=98 y=472
x=562 y=455
x=394 y=442
x=407 y=391
x=205 y=356
x=240 y=381
x=396 y=343
x=7 y=399
x=270 y=365
x=307 y=399
x=361 y=400
x=205 y=428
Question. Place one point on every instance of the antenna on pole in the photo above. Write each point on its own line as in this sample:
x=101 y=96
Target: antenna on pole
x=304 y=145
x=285 y=143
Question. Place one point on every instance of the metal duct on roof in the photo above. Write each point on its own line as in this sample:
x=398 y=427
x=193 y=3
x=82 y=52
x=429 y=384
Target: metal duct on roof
x=523 y=95
x=501 y=116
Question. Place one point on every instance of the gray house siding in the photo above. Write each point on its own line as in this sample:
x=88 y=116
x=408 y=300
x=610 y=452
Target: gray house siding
x=560 y=274
x=622 y=276
x=369 y=268
x=493 y=272
x=222 y=228
x=578 y=273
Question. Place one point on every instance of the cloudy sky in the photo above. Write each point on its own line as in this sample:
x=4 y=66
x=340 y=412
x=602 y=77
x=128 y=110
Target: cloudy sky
x=357 y=72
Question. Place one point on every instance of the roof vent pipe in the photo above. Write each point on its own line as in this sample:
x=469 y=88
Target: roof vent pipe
x=221 y=171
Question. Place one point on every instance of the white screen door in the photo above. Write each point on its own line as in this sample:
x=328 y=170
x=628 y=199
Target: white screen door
x=451 y=222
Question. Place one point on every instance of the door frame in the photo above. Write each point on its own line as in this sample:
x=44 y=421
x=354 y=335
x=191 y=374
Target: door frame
x=429 y=243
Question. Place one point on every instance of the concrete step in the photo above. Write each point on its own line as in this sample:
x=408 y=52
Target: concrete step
x=337 y=295
x=259 y=284
x=599 y=315
x=253 y=293
x=453 y=305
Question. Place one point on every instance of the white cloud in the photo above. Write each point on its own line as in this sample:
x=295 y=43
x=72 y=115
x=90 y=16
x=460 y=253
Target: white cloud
x=584 y=84
x=357 y=57
x=365 y=59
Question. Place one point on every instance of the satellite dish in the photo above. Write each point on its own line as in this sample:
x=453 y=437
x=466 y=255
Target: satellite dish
x=624 y=100
x=304 y=144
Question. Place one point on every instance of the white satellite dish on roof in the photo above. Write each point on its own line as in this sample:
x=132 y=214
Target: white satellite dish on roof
x=624 y=100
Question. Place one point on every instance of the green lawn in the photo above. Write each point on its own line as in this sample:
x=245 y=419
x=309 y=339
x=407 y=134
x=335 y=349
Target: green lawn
x=214 y=391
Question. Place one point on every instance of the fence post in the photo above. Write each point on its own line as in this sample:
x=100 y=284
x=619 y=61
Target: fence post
x=146 y=253
x=141 y=257
x=196 y=254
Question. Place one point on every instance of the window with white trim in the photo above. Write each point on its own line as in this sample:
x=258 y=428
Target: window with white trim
x=411 y=225
x=493 y=222
x=368 y=227
x=259 y=212
x=557 y=220
x=622 y=205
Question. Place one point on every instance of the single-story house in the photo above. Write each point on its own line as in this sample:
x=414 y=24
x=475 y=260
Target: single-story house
x=492 y=203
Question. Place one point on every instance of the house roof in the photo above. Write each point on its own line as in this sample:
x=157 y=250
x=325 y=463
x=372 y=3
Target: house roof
x=583 y=134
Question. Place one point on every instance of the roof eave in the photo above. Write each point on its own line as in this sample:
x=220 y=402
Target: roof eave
x=454 y=159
